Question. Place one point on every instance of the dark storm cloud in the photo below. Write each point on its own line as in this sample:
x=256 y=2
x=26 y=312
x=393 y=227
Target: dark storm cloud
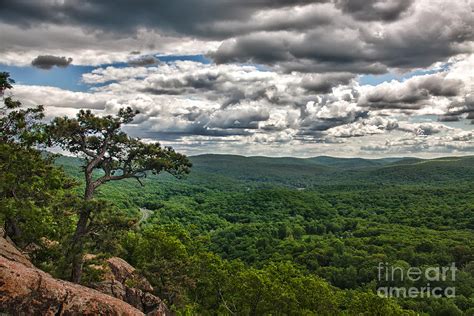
x=325 y=84
x=357 y=36
x=188 y=84
x=466 y=106
x=190 y=17
x=350 y=50
x=310 y=127
x=143 y=61
x=387 y=10
x=313 y=122
x=49 y=61
x=357 y=47
x=192 y=130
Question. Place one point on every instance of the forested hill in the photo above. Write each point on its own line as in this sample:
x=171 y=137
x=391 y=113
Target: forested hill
x=329 y=170
x=319 y=171
x=326 y=217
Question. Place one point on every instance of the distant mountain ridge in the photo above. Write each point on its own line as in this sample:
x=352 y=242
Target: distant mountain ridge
x=216 y=169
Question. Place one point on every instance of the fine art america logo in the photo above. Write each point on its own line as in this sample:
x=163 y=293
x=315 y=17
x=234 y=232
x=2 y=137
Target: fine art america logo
x=415 y=282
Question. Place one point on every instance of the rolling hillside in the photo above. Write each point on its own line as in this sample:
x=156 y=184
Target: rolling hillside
x=208 y=170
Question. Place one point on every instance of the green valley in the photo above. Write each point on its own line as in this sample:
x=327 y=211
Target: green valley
x=331 y=218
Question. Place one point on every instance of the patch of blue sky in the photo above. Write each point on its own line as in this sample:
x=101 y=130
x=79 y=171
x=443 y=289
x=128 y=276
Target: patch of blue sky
x=374 y=80
x=70 y=77
x=462 y=124
x=65 y=78
x=172 y=58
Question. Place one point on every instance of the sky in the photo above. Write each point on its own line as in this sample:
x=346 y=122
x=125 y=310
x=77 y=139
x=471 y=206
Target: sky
x=346 y=78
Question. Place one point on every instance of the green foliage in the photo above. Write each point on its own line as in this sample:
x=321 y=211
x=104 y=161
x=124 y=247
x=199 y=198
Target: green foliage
x=163 y=259
x=196 y=281
x=32 y=188
x=337 y=232
x=34 y=196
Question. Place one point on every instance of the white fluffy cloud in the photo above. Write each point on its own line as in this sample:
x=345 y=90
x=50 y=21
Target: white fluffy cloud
x=195 y=106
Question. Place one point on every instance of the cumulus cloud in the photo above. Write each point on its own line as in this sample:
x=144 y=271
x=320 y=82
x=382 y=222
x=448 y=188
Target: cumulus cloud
x=186 y=103
x=245 y=118
x=325 y=83
x=322 y=116
x=369 y=126
x=187 y=98
x=327 y=125
x=49 y=61
x=458 y=142
x=225 y=85
x=411 y=94
x=423 y=129
x=281 y=73
x=59 y=98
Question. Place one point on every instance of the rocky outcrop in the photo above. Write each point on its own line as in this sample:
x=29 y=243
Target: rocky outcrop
x=26 y=290
x=123 y=272
x=29 y=291
x=125 y=283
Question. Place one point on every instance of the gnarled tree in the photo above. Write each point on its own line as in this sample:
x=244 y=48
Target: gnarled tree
x=116 y=155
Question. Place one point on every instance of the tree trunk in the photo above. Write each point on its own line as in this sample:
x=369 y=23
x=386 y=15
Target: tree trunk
x=77 y=247
x=12 y=230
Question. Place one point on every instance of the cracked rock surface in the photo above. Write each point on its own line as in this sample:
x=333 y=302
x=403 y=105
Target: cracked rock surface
x=117 y=283
x=26 y=290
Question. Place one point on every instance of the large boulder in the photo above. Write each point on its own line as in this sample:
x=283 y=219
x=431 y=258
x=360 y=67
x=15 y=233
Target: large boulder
x=26 y=290
x=123 y=272
x=125 y=283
